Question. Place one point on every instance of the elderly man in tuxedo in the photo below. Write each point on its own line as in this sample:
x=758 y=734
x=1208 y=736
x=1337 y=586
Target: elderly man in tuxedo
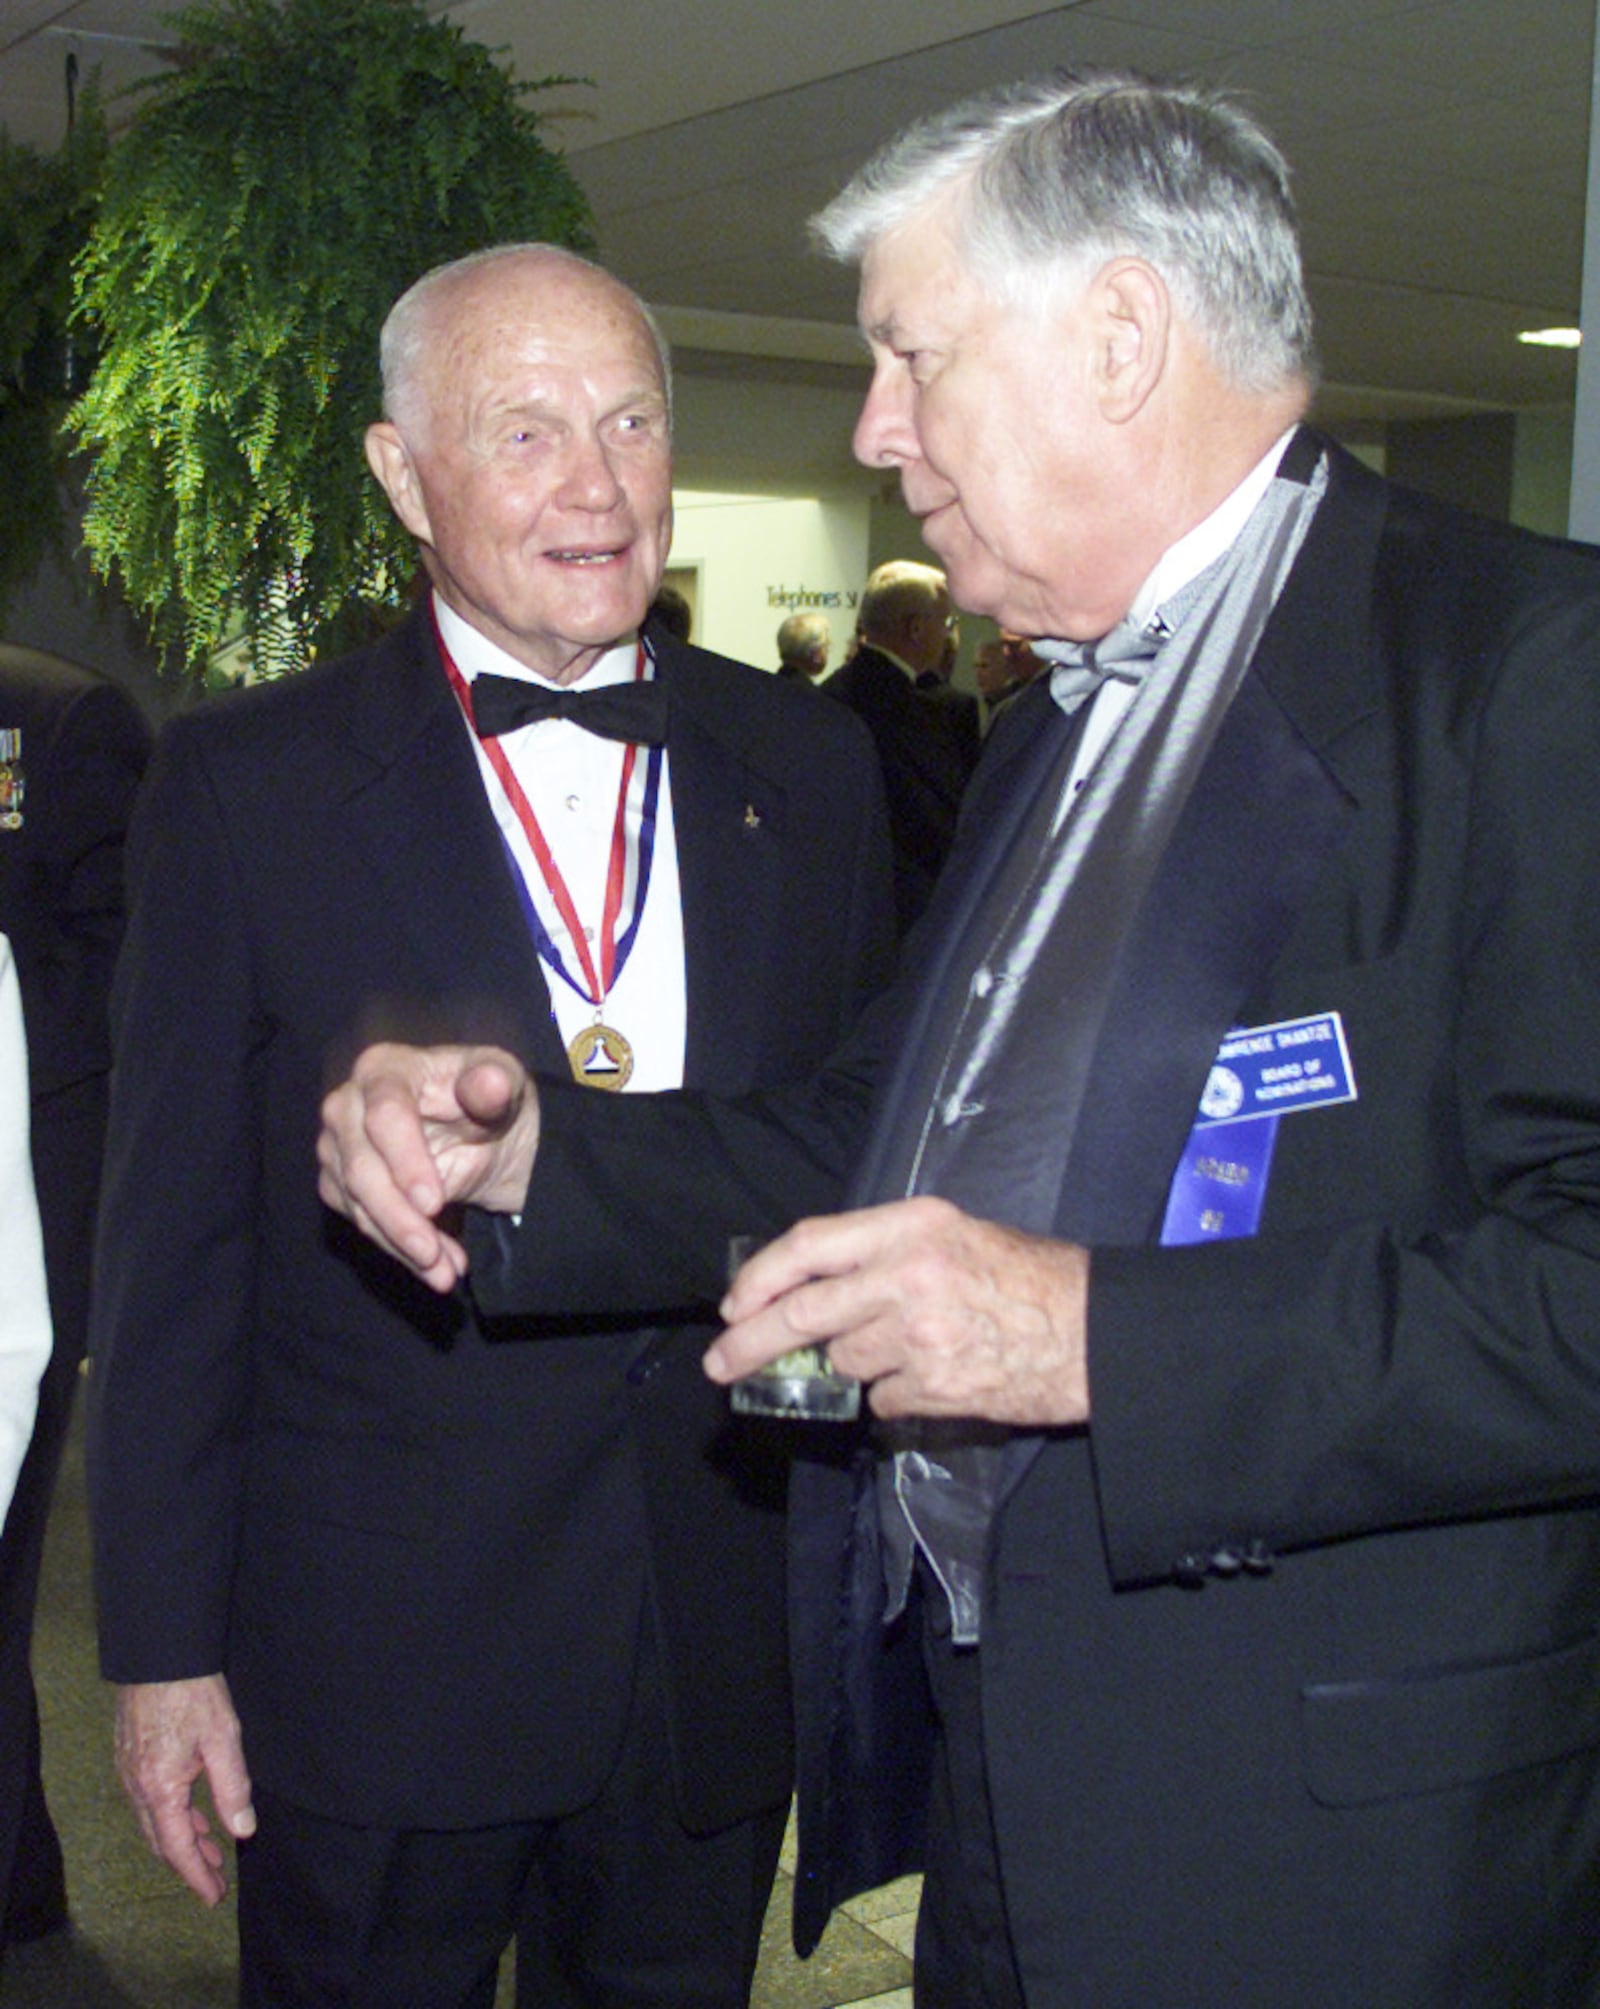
x=468 y=1625
x=1214 y=1609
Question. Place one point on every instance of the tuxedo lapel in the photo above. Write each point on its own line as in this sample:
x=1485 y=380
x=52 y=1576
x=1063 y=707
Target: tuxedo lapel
x=728 y=816
x=1318 y=654
x=1265 y=816
x=417 y=812
x=1270 y=806
x=1253 y=839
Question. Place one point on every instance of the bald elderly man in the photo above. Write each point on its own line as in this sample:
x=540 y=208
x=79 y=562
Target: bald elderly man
x=468 y=1626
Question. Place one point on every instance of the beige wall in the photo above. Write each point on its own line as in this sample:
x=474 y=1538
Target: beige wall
x=761 y=557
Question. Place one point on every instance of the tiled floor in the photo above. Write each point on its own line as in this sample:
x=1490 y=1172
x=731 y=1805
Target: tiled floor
x=140 y=1942
x=864 y=1959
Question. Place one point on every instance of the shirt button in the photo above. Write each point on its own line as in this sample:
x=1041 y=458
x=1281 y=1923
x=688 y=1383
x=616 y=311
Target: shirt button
x=574 y=802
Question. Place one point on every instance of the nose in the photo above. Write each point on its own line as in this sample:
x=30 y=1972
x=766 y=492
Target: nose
x=885 y=435
x=590 y=480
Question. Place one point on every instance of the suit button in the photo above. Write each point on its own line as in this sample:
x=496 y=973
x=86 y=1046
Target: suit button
x=1189 y=1572
x=648 y=1364
x=1257 y=1558
x=1226 y=1562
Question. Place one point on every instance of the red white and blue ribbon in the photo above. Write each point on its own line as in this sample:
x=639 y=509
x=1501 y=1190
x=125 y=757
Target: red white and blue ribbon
x=628 y=867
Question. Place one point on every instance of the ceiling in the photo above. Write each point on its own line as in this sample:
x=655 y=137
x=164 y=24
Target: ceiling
x=1439 y=147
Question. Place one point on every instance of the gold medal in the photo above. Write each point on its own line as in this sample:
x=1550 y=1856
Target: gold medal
x=600 y=1057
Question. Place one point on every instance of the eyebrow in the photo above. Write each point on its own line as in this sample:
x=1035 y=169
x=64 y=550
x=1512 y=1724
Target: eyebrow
x=644 y=394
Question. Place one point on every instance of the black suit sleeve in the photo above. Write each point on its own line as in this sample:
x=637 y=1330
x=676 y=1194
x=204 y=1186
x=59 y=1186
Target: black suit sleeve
x=634 y=1197
x=170 y=1391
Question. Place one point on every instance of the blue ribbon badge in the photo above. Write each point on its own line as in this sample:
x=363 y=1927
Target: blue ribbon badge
x=1260 y=1074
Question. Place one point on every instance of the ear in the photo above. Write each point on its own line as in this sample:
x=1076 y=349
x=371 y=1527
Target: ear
x=1133 y=333
x=390 y=460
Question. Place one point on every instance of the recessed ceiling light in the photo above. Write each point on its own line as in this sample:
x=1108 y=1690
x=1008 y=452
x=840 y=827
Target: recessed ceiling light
x=1552 y=338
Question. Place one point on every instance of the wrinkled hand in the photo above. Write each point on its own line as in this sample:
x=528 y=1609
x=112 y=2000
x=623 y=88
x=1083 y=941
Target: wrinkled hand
x=942 y=1314
x=418 y=1129
x=169 y=1734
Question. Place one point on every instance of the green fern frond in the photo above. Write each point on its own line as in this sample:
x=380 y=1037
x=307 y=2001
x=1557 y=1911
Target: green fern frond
x=276 y=191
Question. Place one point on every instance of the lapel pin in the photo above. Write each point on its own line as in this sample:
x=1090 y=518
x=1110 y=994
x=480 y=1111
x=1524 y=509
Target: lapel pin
x=752 y=821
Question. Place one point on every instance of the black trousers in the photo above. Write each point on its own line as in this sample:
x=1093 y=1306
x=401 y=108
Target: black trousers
x=614 y=1906
x=964 y=1956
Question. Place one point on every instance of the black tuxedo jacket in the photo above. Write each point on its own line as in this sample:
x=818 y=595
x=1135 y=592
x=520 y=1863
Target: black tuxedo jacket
x=421 y=1547
x=927 y=747
x=1291 y=1660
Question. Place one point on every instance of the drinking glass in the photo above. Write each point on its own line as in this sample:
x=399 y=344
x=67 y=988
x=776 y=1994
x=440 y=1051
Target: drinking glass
x=802 y=1383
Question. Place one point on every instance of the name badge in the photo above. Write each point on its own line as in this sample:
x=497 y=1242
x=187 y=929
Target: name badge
x=1260 y=1074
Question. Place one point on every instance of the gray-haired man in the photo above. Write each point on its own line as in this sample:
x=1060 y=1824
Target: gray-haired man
x=803 y=644
x=1217 y=1617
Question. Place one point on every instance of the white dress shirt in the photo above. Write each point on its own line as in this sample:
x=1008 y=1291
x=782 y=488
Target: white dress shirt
x=571 y=778
x=1173 y=570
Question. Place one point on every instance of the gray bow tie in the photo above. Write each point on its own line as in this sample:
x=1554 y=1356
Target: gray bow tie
x=1082 y=667
x=1078 y=672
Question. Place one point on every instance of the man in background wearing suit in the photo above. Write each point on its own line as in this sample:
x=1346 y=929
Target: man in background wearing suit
x=1217 y=1617
x=470 y=1627
x=897 y=680
x=1004 y=668
x=803 y=644
x=72 y=749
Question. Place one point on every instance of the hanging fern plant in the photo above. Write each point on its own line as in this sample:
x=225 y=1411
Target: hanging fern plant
x=303 y=162
x=47 y=204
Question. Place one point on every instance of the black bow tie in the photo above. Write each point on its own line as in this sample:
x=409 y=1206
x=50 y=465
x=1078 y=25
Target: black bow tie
x=635 y=711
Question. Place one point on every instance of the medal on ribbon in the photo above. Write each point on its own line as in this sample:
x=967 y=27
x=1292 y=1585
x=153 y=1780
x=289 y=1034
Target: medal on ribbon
x=600 y=1056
